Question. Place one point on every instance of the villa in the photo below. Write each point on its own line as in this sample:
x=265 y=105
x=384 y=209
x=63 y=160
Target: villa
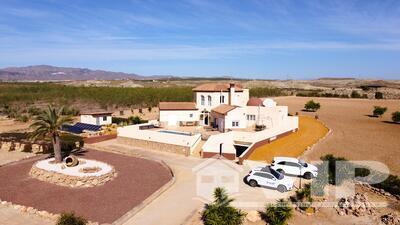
x=223 y=115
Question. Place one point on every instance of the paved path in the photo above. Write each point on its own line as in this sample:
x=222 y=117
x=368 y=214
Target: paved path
x=176 y=205
x=11 y=216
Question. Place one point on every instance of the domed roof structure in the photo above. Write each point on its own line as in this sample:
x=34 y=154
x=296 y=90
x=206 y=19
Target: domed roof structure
x=255 y=102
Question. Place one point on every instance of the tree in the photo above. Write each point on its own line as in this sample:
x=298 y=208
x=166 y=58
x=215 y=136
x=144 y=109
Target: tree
x=379 y=111
x=277 y=214
x=355 y=94
x=378 y=95
x=220 y=211
x=396 y=117
x=48 y=124
x=70 y=219
x=312 y=106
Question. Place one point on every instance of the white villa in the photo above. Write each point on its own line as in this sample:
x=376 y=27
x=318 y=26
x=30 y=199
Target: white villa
x=96 y=118
x=226 y=108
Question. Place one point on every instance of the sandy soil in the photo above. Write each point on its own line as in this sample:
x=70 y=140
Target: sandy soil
x=355 y=135
x=7 y=125
x=293 y=145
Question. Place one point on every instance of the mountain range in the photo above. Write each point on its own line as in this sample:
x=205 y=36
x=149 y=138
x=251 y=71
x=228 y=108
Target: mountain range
x=53 y=73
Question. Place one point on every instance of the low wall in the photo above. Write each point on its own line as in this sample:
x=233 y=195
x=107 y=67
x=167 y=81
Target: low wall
x=225 y=155
x=91 y=140
x=258 y=144
x=153 y=145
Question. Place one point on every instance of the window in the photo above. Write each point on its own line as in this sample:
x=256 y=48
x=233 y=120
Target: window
x=292 y=164
x=251 y=117
x=221 y=99
x=104 y=118
x=209 y=100
x=235 y=123
x=265 y=175
x=191 y=115
x=203 y=99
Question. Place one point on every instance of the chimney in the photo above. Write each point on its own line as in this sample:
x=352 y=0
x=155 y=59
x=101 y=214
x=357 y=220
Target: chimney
x=231 y=92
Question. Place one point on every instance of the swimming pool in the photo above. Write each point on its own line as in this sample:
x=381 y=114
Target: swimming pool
x=175 y=132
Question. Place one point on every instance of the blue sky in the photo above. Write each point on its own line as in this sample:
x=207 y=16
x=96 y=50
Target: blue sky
x=251 y=38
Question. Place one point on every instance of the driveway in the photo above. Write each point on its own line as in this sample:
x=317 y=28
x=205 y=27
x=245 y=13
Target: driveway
x=177 y=204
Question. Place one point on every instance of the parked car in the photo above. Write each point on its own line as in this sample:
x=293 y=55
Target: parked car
x=293 y=166
x=266 y=176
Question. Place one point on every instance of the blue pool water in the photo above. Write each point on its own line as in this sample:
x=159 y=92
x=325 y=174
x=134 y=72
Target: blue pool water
x=175 y=132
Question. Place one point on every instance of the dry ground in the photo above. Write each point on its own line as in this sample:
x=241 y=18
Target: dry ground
x=9 y=125
x=293 y=145
x=355 y=135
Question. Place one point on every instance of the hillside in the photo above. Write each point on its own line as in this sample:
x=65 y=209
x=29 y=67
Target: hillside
x=52 y=73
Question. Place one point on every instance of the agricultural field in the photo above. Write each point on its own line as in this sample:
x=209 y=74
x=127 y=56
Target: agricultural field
x=356 y=135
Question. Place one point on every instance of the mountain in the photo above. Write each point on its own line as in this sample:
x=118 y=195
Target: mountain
x=52 y=73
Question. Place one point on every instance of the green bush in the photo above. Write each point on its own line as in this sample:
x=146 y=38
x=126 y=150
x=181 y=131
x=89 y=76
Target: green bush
x=265 y=92
x=396 y=117
x=22 y=118
x=312 y=106
x=378 y=95
x=68 y=142
x=277 y=214
x=70 y=219
x=355 y=94
x=379 y=111
x=220 y=212
x=347 y=170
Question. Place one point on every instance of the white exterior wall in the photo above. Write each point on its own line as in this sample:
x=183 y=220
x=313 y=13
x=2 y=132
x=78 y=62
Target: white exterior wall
x=215 y=99
x=268 y=116
x=96 y=120
x=173 y=117
x=133 y=131
x=238 y=114
x=239 y=99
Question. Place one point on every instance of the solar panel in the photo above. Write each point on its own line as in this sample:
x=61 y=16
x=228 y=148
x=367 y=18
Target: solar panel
x=79 y=127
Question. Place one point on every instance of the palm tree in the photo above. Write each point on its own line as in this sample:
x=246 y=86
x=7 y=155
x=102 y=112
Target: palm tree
x=48 y=124
x=278 y=214
x=220 y=211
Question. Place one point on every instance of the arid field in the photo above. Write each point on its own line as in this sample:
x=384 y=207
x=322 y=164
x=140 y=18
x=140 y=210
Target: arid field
x=355 y=135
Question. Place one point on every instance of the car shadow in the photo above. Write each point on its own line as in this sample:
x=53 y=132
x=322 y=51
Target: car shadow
x=372 y=116
x=390 y=122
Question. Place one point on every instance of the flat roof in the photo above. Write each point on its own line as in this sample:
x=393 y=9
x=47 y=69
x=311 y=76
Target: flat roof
x=98 y=113
x=177 y=106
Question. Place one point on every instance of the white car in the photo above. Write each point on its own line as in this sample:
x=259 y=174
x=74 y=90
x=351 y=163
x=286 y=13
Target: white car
x=293 y=166
x=265 y=176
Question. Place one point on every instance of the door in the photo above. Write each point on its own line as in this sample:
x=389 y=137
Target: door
x=221 y=124
x=292 y=168
x=97 y=120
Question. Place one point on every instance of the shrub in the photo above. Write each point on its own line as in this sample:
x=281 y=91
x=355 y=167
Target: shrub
x=68 y=142
x=391 y=184
x=22 y=118
x=355 y=94
x=379 y=111
x=265 y=92
x=221 y=212
x=378 y=95
x=70 y=219
x=34 y=111
x=312 y=106
x=396 y=117
x=303 y=197
x=277 y=214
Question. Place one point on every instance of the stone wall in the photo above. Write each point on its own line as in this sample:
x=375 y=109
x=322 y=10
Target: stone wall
x=70 y=181
x=22 y=146
x=152 y=145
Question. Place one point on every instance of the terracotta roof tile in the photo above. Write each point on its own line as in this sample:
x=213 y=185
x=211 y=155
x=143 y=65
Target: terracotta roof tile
x=223 y=109
x=255 y=102
x=217 y=87
x=177 y=106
